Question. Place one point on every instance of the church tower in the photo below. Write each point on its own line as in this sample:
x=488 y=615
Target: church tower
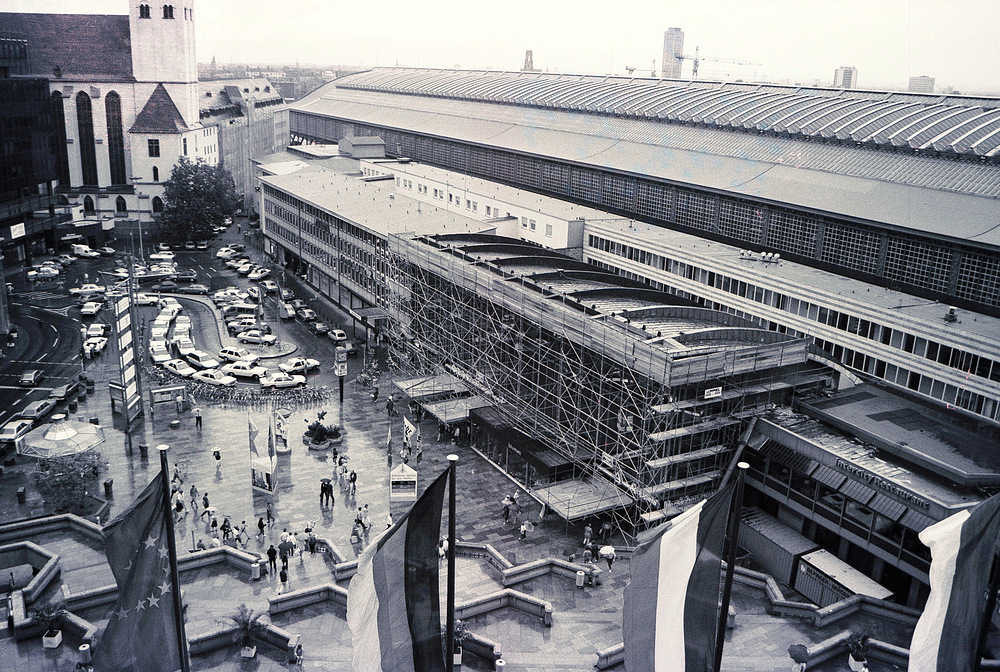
x=163 y=50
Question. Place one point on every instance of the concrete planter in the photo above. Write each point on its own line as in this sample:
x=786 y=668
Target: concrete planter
x=52 y=639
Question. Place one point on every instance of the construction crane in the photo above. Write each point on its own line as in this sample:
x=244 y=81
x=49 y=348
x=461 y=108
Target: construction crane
x=652 y=69
x=697 y=60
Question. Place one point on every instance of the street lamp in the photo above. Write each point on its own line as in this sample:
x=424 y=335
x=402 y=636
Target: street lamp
x=139 y=195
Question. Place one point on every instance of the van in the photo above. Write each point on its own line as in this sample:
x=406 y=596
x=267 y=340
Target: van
x=235 y=310
x=81 y=250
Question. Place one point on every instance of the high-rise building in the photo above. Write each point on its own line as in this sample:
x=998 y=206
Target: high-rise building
x=846 y=77
x=673 y=52
x=921 y=84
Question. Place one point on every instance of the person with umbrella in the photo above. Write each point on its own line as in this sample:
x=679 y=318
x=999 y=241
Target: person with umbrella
x=285 y=549
x=526 y=527
x=608 y=553
x=800 y=657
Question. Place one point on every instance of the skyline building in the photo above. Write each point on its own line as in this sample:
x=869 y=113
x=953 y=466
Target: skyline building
x=921 y=84
x=673 y=53
x=845 y=77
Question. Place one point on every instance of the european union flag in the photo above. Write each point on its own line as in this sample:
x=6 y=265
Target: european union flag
x=142 y=630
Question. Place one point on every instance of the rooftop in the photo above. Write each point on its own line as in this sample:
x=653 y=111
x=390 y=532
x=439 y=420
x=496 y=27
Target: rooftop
x=85 y=47
x=159 y=115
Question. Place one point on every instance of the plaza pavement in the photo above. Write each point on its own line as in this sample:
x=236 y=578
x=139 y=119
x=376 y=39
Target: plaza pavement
x=584 y=620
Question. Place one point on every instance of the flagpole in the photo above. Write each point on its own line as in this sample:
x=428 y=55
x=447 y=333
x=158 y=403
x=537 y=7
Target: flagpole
x=734 y=535
x=991 y=603
x=175 y=582
x=450 y=632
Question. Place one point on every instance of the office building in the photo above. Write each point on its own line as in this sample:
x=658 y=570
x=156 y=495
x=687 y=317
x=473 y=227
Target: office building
x=673 y=52
x=845 y=77
x=921 y=84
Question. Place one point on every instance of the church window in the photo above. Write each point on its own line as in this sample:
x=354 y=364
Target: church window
x=154 y=147
x=62 y=160
x=144 y=12
x=85 y=126
x=120 y=206
x=156 y=174
x=116 y=137
x=168 y=11
x=88 y=205
x=157 y=204
x=184 y=143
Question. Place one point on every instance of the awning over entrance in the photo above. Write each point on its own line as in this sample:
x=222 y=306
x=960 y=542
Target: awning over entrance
x=369 y=314
x=582 y=497
x=426 y=387
x=454 y=410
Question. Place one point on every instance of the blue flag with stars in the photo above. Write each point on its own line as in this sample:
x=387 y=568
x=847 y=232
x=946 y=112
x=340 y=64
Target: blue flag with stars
x=142 y=633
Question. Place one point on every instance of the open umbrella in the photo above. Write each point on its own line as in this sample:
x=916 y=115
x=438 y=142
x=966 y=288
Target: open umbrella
x=606 y=551
x=325 y=480
x=286 y=546
x=61 y=438
x=799 y=653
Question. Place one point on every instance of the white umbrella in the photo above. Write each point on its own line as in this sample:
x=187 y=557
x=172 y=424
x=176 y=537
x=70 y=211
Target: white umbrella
x=61 y=438
x=605 y=551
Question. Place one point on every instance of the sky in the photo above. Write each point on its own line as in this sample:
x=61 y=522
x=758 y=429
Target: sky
x=794 y=41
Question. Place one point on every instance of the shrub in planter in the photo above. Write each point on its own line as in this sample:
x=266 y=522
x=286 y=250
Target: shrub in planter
x=858 y=645
x=250 y=628
x=319 y=434
x=49 y=617
x=461 y=634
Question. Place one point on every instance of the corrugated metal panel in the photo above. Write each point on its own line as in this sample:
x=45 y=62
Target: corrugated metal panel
x=915 y=520
x=774 y=545
x=788 y=457
x=857 y=491
x=838 y=577
x=888 y=507
x=828 y=476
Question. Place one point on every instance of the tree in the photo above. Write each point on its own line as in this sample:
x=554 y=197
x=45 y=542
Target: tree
x=197 y=197
x=63 y=481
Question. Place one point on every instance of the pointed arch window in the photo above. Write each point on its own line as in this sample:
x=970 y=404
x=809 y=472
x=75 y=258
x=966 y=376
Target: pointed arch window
x=62 y=160
x=121 y=207
x=144 y=12
x=157 y=204
x=156 y=174
x=168 y=11
x=85 y=124
x=88 y=205
x=116 y=137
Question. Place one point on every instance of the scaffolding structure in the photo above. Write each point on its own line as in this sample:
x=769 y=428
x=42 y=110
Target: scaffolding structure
x=644 y=395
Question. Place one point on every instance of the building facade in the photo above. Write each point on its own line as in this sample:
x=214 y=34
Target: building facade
x=673 y=52
x=921 y=84
x=845 y=77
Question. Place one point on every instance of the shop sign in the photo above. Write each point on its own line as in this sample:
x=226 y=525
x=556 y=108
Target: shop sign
x=880 y=483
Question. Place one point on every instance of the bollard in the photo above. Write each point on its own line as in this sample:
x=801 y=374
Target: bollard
x=21 y=495
x=143 y=449
x=73 y=406
x=95 y=420
x=108 y=485
x=255 y=571
x=500 y=664
x=84 y=652
x=179 y=401
x=581 y=578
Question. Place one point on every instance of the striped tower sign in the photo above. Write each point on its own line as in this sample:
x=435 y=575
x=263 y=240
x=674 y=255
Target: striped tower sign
x=672 y=602
x=393 y=603
x=962 y=547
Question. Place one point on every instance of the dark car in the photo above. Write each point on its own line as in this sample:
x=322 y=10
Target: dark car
x=30 y=378
x=238 y=247
x=319 y=328
x=298 y=304
x=193 y=288
x=186 y=275
x=165 y=286
x=64 y=392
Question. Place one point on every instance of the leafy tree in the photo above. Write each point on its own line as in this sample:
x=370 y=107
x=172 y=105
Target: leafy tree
x=196 y=197
x=63 y=481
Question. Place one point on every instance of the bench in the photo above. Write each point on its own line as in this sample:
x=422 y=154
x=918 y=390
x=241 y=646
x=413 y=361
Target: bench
x=18 y=611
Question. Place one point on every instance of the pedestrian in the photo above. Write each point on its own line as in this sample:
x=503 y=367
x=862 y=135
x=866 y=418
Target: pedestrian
x=214 y=525
x=588 y=534
x=194 y=498
x=204 y=499
x=283 y=554
x=352 y=483
x=298 y=655
x=606 y=531
x=524 y=530
x=442 y=430
x=201 y=545
x=179 y=508
x=506 y=513
x=243 y=532
x=270 y=514
x=197 y=417
x=322 y=493
x=388 y=520
x=610 y=557
x=216 y=543
x=456 y=435
x=218 y=460
x=365 y=522
x=358 y=520
x=177 y=474
x=260 y=528
x=443 y=548
x=404 y=454
x=375 y=394
x=227 y=529
x=311 y=541
x=284 y=580
x=390 y=406
x=284 y=534
x=588 y=557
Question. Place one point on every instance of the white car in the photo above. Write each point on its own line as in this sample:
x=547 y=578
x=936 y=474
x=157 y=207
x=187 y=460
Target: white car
x=226 y=253
x=95 y=344
x=269 y=286
x=201 y=360
x=90 y=309
x=299 y=365
x=89 y=254
x=42 y=273
x=182 y=322
x=170 y=302
x=184 y=346
x=214 y=377
x=162 y=256
x=158 y=352
x=180 y=367
x=144 y=299
x=245 y=369
x=89 y=288
x=259 y=274
x=254 y=294
x=14 y=430
x=256 y=336
x=96 y=329
x=337 y=335
x=238 y=355
x=282 y=379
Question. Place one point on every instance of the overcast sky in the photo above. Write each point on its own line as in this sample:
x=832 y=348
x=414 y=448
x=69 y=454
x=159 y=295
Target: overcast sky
x=792 y=40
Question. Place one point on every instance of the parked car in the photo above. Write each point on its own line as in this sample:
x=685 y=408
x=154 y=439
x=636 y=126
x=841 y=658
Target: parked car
x=144 y=299
x=254 y=294
x=65 y=259
x=194 y=288
x=189 y=245
x=238 y=355
x=186 y=275
x=106 y=251
x=184 y=345
x=298 y=304
x=282 y=379
x=158 y=352
x=226 y=253
x=162 y=256
x=299 y=365
x=255 y=336
x=319 y=328
x=286 y=312
x=306 y=314
x=64 y=392
x=202 y=245
x=201 y=360
x=95 y=345
x=30 y=378
x=15 y=429
x=244 y=369
x=259 y=274
x=269 y=286
x=352 y=350
x=88 y=253
x=89 y=288
x=96 y=329
x=165 y=286
x=287 y=295
x=180 y=367
x=171 y=303
x=239 y=247
x=242 y=324
x=247 y=269
x=42 y=273
x=163 y=247
x=214 y=377
x=337 y=335
x=90 y=309
x=37 y=410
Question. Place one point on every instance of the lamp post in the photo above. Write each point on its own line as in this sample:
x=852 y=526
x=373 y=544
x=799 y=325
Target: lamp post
x=139 y=211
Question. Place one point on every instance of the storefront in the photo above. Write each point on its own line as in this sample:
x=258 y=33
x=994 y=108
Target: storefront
x=528 y=461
